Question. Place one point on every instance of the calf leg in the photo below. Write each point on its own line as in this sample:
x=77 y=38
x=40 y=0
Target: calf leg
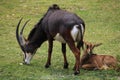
x=89 y=66
x=64 y=55
x=49 y=53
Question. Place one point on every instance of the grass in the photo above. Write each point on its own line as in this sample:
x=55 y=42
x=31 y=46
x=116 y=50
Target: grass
x=102 y=25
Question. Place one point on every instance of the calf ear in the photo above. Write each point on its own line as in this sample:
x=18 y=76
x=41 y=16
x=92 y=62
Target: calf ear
x=85 y=42
x=96 y=45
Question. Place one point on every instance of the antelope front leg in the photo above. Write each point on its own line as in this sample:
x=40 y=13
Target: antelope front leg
x=49 y=53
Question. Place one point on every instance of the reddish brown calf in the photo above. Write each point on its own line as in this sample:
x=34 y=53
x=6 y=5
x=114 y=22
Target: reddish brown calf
x=93 y=61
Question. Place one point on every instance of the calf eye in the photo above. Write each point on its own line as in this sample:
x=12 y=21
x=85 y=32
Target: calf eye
x=87 y=46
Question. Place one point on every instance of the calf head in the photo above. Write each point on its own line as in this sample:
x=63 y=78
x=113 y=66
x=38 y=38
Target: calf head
x=90 y=47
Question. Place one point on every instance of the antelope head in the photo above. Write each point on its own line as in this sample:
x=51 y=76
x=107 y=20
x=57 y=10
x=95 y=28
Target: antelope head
x=23 y=43
x=90 y=47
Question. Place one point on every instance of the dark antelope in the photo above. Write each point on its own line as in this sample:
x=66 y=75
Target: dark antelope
x=93 y=61
x=56 y=24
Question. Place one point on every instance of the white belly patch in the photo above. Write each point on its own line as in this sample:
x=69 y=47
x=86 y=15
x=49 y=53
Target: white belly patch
x=58 y=37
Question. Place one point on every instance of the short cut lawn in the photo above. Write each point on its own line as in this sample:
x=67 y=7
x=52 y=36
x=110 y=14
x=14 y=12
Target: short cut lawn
x=102 y=18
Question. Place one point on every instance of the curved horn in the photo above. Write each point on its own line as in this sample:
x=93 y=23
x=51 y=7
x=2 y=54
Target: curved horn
x=17 y=35
x=21 y=32
x=20 y=37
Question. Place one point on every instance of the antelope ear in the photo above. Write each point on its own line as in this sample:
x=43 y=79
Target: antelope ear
x=96 y=45
x=85 y=42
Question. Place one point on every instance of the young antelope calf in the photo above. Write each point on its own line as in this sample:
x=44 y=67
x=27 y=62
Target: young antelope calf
x=93 y=61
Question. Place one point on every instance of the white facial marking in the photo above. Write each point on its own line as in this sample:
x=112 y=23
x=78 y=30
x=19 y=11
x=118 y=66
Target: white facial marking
x=28 y=58
x=58 y=37
x=75 y=33
x=88 y=50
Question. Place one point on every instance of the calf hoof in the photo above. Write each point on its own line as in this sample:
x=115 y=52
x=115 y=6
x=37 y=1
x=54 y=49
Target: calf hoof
x=66 y=66
x=76 y=72
x=47 y=65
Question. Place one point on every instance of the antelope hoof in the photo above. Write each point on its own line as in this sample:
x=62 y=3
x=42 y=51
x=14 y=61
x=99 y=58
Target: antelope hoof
x=47 y=65
x=76 y=72
x=66 y=66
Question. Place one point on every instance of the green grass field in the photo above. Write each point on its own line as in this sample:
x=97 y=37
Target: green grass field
x=102 y=18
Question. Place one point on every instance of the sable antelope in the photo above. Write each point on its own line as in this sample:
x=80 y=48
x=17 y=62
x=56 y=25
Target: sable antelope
x=93 y=61
x=56 y=24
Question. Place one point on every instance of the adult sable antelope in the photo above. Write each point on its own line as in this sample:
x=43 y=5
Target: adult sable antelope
x=56 y=24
